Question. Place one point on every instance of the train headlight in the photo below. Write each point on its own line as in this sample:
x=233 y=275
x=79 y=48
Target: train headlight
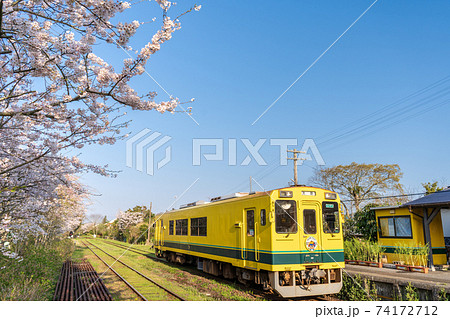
x=286 y=194
x=330 y=196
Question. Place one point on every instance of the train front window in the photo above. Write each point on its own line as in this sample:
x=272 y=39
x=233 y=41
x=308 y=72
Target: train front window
x=330 y=217
x=285 y=217
x=309 y=221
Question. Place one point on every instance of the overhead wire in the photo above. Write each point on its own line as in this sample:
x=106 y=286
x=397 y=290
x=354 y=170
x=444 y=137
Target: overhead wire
x=388 y=115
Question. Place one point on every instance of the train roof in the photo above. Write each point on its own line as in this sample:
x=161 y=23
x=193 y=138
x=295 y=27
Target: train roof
x=234 y=196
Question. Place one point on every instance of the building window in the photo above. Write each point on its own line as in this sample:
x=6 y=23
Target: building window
x=250 y=223
x=263 y=217
x=309 y=221
x=330 y=217
x=181 y=227
x=285 y=217
x=170 y=227
x=198 y=226
x=395 y=226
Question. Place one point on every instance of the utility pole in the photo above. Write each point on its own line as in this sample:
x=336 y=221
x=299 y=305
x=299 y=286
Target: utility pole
x=149 y=223
x=295 y=159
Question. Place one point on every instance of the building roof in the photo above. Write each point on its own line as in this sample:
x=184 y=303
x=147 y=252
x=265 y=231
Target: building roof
x=441 y=198
x=385 y=207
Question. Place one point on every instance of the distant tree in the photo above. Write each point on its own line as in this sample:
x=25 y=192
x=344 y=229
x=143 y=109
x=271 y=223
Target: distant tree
x=358 y=182
x=431 y=187
x=95 y=219
x=129 y=218
x=362 y=224
x=105 y=220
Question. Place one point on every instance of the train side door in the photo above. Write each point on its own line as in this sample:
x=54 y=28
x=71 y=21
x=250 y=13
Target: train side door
x=161 y=233
x=250 y=230
x=311 y=241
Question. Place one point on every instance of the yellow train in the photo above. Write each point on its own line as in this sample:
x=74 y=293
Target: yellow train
x=288 y=239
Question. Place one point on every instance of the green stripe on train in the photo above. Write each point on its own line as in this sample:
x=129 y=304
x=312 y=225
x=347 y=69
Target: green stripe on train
x=263 y=257
x=436 y=251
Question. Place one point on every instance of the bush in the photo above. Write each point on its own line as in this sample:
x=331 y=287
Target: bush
x=411 y=293
x=33 y=276
x=362 y=224
x=364 y=250
x=357 y=289
x=414 y=256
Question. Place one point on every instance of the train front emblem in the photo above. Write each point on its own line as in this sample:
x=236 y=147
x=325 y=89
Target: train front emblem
x=311 y=243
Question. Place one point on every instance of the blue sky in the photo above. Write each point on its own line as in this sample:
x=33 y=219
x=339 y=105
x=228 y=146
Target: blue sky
x=236 y=57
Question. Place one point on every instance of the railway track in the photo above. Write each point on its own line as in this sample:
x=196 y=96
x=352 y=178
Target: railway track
x=268 y=295
x=134 y=249
x=167 y=291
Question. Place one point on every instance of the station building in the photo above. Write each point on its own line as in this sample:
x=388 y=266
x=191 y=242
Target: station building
x=422 y=221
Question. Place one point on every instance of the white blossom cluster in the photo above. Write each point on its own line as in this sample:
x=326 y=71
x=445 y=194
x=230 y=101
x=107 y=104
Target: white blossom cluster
x=10 y=254
x=129 y=218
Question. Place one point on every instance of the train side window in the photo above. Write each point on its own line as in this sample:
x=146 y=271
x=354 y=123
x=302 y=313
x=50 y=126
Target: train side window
x=263 y=217
x=309 y=221
x=202 y=226
x=170 y=227
x=198 y=226
x=181 y=227
x=285 y=217
x=250 y=223
x=194 y=226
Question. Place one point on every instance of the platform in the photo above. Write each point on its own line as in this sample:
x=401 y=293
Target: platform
x=392 y=281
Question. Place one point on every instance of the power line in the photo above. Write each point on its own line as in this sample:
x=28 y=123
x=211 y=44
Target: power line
x=384 y=118
x=400 y=112
x=396 y=122
x=389 y=106
x=382 y=197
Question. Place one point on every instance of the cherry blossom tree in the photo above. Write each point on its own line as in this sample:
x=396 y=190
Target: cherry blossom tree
x=129 y=218
x=56 y=89
x=58 y=94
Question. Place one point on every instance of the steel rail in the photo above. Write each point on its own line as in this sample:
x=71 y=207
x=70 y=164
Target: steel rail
x=116 y=273
x=141 y=274
x=141 y=252
x=131 y=247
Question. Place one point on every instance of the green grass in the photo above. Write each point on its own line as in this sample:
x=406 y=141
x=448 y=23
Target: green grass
x=34 y=277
